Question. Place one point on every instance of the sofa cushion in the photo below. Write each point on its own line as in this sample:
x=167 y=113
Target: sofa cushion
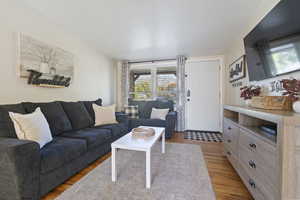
x=148 y=122
x=132 y=111
x=7 y=128
x=105 y=115
x=159 y=113
x=78 y=115
x=33 y=127
x=118 y=130
x=94 y=137
x=55 y=115
x=89 y=106
x=61 y=151
x=145 y=107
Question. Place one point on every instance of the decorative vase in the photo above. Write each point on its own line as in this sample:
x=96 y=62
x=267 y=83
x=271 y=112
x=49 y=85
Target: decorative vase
x=52 y=70
x=296 y=106
x=44 y=68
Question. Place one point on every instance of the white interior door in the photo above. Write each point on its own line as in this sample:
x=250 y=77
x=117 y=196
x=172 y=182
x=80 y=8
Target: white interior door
x=203 y=96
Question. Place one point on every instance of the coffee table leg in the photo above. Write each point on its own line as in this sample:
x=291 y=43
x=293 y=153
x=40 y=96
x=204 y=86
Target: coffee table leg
x=148 y=169
x=163 y=142
x=113 y=164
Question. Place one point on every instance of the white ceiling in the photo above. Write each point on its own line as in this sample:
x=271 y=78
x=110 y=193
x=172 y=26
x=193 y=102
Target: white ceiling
x=148 y=29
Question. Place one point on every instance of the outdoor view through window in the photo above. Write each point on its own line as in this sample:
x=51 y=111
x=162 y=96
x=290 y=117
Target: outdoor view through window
x=153 y=83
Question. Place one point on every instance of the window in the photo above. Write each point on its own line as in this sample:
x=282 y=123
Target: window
x=140 y=84
x=285 y=58
x=152 y=82
x=166 y=83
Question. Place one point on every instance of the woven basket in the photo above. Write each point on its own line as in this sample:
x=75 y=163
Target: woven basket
x=272 y=102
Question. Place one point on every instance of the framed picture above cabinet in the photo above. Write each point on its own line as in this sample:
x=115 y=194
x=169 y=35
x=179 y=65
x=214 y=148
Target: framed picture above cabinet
x=237 y=70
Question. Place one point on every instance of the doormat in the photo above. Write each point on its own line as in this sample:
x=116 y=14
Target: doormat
x=205 y=136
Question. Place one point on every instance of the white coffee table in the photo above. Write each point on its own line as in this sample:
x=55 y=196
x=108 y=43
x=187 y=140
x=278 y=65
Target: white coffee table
x=137 y=144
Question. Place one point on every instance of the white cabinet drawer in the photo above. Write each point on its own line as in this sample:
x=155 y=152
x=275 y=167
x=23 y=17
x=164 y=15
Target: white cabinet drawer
x=255 y=166
x=253 y=185
x=258 y=148
x=231 y=157
x=260 y=188
x=230 y=135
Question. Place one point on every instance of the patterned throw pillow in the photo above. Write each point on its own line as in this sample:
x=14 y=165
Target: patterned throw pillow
x=132 y=111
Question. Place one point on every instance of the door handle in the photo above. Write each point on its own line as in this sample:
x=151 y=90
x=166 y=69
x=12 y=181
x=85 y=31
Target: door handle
x=188 y=94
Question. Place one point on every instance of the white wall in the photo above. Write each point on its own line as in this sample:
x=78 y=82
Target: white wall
x=232 y=94
x=94 y=74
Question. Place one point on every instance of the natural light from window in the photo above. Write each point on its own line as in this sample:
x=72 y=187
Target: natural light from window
x=153 y=83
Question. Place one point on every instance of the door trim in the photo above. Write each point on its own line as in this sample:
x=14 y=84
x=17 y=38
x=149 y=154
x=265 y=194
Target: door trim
x=220 y=59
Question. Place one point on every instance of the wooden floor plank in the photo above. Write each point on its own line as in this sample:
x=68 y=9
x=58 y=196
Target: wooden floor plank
x=226 y=182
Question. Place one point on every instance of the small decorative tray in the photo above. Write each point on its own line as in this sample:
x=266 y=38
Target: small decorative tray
x=143 y=132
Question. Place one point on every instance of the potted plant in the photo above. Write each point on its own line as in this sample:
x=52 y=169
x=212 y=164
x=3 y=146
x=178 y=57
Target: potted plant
x=292 y=90
x=247 y=92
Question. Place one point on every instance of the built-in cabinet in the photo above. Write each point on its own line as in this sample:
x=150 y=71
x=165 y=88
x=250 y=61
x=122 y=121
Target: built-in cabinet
x=269 y=165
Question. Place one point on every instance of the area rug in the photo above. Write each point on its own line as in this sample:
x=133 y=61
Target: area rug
x=179 y=174
x=204 y=136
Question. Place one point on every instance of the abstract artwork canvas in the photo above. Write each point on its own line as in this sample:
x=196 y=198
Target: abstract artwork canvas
x=46 y=61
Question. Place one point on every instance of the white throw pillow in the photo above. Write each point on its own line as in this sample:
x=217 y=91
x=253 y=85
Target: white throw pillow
x=104 y=114
x=33 y=126
x=159 y=113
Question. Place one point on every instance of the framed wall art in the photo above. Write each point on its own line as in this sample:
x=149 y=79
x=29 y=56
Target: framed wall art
x=237 y=70
x=44 y=64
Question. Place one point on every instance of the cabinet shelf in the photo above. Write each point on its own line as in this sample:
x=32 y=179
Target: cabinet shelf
x=271 y=139
x=232 y=119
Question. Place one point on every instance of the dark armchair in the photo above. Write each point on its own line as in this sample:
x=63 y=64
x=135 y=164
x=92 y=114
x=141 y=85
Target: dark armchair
x=145 y=109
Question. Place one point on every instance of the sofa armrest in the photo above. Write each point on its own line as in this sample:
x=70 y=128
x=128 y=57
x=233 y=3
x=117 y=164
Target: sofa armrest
x=122 y=118
x=171 y=119
x=19 y=169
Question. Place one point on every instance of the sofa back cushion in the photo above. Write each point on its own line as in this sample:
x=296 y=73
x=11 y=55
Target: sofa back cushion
x=145 y=107
x=55 y=115
x=78 y=115
x=89 y=106
x=7 y=128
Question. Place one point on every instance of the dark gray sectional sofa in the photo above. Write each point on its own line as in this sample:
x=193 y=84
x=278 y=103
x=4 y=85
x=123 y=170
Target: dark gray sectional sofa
x=28 y=172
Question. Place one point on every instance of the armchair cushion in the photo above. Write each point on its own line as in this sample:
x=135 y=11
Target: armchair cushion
x=145 y=107
x=169 y=124
x=122 y=118
x=148 y=122
x=159 y=113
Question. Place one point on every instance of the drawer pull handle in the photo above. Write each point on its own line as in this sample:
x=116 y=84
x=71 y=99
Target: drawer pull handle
x=252 y=183
x=229 y=141
x=252 y=145
x=228 y=153
x=252 y=164
x=229 y=128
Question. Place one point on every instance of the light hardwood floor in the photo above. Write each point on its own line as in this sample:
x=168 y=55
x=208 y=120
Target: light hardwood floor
x=226 y=183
